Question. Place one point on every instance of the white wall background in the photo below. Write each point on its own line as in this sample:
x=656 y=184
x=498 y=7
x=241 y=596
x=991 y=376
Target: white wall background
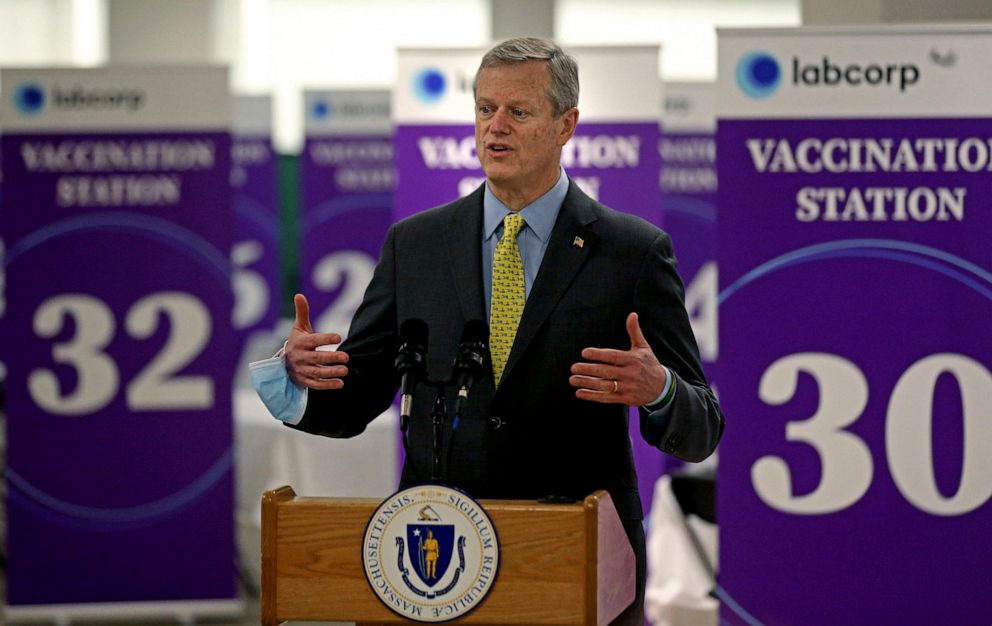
x=285 y=46
x=53 y=32
x=291 y=45
x=686 y=30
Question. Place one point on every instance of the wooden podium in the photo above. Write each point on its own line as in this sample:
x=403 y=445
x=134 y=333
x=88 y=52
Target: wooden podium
x=559 y=563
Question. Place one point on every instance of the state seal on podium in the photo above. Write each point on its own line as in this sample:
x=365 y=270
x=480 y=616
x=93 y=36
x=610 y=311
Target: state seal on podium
x=430 y=553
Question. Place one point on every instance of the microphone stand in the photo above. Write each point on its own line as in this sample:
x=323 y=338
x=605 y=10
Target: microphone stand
x=467 y=369
x=438 y=416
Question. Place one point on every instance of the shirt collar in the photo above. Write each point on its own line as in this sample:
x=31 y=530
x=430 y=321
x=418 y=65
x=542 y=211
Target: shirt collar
x=540 y=214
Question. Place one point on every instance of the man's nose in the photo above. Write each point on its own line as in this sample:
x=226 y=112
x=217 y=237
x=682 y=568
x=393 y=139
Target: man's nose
x=500 y=122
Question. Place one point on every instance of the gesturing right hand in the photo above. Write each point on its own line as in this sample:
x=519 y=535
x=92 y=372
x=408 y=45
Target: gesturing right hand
x=306 y=365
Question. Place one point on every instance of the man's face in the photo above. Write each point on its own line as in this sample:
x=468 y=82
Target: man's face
x=517 y=136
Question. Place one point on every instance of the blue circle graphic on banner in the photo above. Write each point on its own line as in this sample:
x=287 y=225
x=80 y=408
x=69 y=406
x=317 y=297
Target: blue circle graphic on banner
x=960 y=270
x=29 y=99
x=758 y=74
x=205 y=253
x=834 y=334
x=429 y=85
x=29 y=487
x=59 y=510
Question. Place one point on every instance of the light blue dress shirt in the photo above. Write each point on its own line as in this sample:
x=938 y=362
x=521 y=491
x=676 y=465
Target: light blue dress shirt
x=539 y=219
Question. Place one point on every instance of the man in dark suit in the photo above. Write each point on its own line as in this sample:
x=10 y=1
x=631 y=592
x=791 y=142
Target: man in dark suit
x=603 y=326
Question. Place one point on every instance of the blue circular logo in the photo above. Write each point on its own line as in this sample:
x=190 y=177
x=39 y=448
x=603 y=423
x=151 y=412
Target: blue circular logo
x=758 y=74
x=29 y=99
x=429 y=85
x=322 y=109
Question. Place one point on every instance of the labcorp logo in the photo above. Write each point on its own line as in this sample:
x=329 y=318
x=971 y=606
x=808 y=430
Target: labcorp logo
x=429 y=85
x=29 y=99
x=758 y=74
x=343 y=109
x=826 y=73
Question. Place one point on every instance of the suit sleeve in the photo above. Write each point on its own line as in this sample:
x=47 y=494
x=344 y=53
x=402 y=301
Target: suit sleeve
x=371 y=345
x=691 y=426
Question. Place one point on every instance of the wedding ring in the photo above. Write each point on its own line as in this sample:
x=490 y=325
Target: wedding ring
x=616 y=385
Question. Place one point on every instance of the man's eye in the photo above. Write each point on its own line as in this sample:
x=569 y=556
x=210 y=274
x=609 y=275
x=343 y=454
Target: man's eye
x=519 y=113
x=485 y=110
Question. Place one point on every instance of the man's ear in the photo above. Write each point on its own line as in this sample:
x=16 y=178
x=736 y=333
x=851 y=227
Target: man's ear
x=569 y=120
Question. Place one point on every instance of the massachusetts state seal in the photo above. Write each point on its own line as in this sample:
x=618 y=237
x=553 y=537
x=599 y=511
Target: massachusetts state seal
x=431 y=553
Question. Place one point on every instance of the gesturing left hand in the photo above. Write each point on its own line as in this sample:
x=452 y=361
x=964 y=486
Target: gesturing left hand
x=633 y=377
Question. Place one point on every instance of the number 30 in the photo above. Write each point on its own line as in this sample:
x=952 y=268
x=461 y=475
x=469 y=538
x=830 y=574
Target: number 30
x=846 y=459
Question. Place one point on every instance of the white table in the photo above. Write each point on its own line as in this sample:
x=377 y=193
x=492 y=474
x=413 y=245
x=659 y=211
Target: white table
x=270 y=455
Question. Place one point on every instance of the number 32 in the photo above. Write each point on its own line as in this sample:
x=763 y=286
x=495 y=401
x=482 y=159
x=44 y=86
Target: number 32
x=155 y=387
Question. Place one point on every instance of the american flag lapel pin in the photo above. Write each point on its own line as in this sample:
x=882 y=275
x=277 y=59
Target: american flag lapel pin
x=578 y=241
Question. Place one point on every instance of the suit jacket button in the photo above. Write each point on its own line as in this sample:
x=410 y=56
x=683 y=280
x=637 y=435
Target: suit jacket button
x=495 y=422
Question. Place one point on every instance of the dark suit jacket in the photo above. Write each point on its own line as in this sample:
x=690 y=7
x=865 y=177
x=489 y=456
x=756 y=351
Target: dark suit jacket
x=531 y=437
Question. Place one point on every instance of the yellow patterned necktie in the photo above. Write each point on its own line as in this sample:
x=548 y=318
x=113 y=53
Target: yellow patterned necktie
x=508 y=295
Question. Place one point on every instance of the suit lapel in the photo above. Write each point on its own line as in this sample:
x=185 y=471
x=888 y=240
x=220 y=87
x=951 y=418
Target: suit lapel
x=463 y=237
x=571 y=242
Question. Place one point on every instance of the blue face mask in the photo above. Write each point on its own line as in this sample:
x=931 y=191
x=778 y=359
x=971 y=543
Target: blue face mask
x=284 y=399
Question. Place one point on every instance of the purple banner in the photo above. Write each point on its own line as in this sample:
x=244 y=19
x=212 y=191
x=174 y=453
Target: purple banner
x=255 y=253
x=117 y=338
x=856 y=286
x=688 y=205
x=688 y=208
x=346 y=210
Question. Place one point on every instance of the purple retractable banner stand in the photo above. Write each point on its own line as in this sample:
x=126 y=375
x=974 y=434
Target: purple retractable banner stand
x=613 y=155
x=347 y=178
x=346 y=207
x=255 y=251
x=688 y=206
x=117 y=338
x=855 y=476
x=3 y=283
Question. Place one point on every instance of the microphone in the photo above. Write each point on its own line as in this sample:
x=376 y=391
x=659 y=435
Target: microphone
x=469 y=365
x=410 y=363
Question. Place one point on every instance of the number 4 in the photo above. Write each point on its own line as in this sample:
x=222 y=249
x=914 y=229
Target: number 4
x=701 y=304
